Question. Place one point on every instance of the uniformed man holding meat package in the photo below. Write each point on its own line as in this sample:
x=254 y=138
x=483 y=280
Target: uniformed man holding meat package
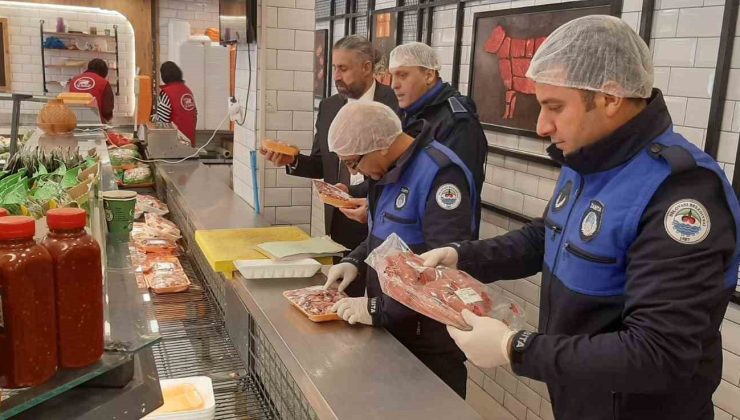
x=638 y=246
x=420 y=190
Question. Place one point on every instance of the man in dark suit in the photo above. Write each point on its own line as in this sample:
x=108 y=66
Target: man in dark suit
x=353 y=60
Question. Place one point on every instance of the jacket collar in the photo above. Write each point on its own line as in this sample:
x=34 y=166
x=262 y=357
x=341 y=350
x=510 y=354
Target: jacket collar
x=425 y=98
x=623 y=144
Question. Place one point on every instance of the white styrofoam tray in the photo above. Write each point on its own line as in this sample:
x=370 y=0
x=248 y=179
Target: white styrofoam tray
x=269 y=269
x=205 y=388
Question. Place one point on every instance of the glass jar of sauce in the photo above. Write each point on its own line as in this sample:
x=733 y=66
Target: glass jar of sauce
x=28 y=334
x=78 y=279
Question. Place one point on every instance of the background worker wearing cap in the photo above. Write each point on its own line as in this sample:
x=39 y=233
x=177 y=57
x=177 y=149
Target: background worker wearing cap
x=637 y=248
x=423 y=192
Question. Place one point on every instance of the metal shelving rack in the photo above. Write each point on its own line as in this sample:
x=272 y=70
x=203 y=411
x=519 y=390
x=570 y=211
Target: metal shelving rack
x=68 y=35
x=195 y=342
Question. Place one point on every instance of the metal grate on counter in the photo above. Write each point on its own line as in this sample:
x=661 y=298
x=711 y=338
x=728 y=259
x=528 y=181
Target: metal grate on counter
x=195 y=343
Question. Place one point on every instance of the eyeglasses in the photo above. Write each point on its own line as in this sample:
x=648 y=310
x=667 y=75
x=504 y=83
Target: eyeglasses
x=353 y=163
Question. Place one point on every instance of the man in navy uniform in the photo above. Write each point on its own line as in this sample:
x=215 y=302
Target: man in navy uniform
x=637 y=248
x=420 y=190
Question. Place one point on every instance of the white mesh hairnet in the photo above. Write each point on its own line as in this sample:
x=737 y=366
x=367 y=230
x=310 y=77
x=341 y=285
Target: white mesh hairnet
x=413 y=54
x=362 y=127
x=598 y=53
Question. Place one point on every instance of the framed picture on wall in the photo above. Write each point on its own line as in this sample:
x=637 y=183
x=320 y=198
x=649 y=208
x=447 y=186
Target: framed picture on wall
x=384 y=39
x=4 y=56
x=504 y=42
x=320 y=55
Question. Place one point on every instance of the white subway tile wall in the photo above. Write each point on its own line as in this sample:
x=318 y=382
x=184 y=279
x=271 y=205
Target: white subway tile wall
x=201 y=14
x=26 y=71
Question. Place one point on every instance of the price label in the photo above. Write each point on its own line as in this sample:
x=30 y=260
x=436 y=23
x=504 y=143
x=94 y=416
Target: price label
x=468 y=295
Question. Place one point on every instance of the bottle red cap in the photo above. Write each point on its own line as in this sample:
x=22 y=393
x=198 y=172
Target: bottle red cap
x=4 y=212
x=17 y=227
x=66 y=218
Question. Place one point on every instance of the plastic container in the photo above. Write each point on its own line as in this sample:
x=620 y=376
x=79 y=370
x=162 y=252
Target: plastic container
x=204 y=387
x=78 y=276
x=28 y=333
x=270 y=269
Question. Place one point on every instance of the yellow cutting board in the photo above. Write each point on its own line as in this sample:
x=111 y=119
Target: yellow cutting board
x=222 y=247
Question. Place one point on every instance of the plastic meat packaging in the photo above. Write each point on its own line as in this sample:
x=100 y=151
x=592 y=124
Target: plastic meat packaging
x=163 y=228
x=315 y=302
x=149 y=204
x=158 y=246
x=167 y=277
x=139 y=175
x=440 y=293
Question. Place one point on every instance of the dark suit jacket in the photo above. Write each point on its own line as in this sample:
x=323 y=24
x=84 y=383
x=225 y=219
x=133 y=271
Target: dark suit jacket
x=324 y=164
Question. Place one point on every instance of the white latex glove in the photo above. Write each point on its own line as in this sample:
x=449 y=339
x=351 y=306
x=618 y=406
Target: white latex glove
x=446 y=256
x=353 y=310
x=487 y=344
x=345 y=271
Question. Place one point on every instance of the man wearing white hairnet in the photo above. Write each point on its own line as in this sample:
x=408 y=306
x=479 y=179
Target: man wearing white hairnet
x=423 y=192
x=422 y=95
x=637 y=248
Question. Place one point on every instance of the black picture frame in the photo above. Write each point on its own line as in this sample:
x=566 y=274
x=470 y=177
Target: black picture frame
x=320 y=63
x=384 y=35
x=526 y=24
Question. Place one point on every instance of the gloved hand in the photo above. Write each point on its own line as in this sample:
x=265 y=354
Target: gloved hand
x=487 y=344
x=446 y=256
x=353 y=310
x=345 y=271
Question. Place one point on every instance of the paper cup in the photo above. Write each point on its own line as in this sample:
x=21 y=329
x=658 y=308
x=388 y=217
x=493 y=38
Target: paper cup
x=119 y=213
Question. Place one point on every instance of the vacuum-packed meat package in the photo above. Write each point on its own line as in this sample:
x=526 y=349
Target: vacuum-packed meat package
x=440 y=293
x=164 y=228
x=315 y=302
x=158 y=246
x=149 y=204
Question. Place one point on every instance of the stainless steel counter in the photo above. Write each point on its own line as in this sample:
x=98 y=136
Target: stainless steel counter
x=342 y=371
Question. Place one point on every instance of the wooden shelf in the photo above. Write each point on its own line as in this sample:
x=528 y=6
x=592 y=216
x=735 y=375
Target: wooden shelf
x=85 y=51
x=74 y=35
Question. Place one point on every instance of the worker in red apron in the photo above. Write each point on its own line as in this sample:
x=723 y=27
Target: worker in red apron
x=176 y=103
x=93 y=81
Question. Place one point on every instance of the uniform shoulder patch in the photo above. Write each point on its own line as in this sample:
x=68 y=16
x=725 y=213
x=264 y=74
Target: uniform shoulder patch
x=687 y=222
x=448 y=196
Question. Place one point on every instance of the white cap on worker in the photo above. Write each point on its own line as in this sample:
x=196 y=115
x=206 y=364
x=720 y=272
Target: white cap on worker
x=362 y=127
x=413 y=54
x=597 y=53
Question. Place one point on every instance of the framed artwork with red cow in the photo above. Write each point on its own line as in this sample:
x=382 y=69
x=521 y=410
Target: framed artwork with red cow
x=504 y=42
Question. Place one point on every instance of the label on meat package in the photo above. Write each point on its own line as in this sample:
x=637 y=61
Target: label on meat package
x=468 y=295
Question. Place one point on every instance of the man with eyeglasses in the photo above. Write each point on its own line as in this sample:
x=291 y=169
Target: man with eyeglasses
x=420 y=190
x=353 y=59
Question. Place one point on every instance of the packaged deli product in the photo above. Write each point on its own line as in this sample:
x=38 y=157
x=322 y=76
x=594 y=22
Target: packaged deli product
x=440 y=293
x=149 y=204
x=162 y=227
x=158 y=246
x=332 y=195
x=315 y=302
x=282 y=147
x=167 y=281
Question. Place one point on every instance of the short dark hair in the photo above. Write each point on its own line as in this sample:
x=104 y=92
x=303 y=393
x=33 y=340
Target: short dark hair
x=98 y=67
x=170 y=72
x=360 y=45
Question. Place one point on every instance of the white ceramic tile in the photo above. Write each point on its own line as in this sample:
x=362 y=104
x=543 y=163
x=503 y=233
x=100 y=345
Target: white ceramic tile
x=546 y=411
x=727 y=147
x=541 y=389
x=304 y=40
x=545 y=188
x=731 y=337
x=279 y=79
x=277 y=197
x=661 y=77
x=697 y=112
x=515 y=164
x=485 y=405
x=294 y=101
x=301 y=197
x=503 y=177
x=474 y=373
x=294 y=60
x=691 y=82
x=526 y=183
x=280 y=39
x=285 y=180
x=694 y=135
x=665 y=23
x=727 y=397
x=515 y=407
x=529 y=398
x=532 y=416
x=303 y=81
x=677 y=108
x=532 y=314
x=632 y=19
x=512 y=200
x=293 y=215
x=677 y=4
x=504 y=378
x=730 y=367
x=677 y=52
x=527 y=291
x=700 y=21
x=706 y=52
x=720 y=414
x=493 y=389
x=533 y=206
x=733 y=85
x=631 y=5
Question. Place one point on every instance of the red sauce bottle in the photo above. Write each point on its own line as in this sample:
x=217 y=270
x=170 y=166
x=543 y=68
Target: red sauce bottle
x=28 y=334
x=78 y=276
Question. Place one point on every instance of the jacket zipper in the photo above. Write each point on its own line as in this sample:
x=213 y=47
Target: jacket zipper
x=578 y=252
x=555 y=228
x=581 y=185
